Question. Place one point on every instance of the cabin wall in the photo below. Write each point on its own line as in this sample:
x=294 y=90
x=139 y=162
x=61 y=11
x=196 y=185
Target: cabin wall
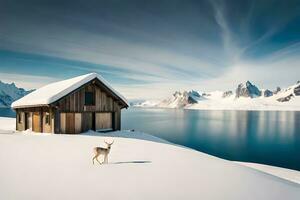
x=87 y=121
x=20 y=120
x=36 y=122
x=76 y=122
x=35 y=118
x=23 y=120
x=117 y=118
x=63 y=123
x=103 y=120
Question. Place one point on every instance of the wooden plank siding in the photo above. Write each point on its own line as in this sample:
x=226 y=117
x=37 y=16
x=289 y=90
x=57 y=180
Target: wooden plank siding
x=84 y=117
x=103 y=120
x=34 y=118
x=87 y=121
x=78 y=122
x=20 y=121
x=117 y=118
x=70 y=122
x=75 y=102
x=63 y=123
x=36 y=121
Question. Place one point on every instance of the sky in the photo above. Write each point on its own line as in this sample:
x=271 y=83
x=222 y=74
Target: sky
x=149 y=49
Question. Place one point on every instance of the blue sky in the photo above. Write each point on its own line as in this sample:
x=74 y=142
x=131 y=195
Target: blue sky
x=148 y=49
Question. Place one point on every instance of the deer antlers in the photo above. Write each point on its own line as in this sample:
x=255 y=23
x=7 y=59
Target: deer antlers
x=109 y=143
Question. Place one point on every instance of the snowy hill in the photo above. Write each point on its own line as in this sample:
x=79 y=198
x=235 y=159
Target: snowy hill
x=247 y=96
x=141 y=166
x=10 y=93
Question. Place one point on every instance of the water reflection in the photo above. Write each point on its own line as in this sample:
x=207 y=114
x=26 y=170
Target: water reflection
x=254 y=136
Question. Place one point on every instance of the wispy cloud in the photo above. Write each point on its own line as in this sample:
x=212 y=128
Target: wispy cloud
x=231 y=48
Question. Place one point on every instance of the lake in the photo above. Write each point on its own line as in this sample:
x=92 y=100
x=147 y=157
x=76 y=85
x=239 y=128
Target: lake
x=267 y=137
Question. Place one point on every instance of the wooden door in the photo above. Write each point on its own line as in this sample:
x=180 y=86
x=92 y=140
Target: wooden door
x=62 y=123
x=87 y=121
x=103 y=121
x=70 y=122
x=36 y=125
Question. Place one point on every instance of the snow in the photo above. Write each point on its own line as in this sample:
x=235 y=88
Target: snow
x=244 y=103
x=52 y=166
x=288 y=174
x=7 y=125
x=54 y=91
x=147 y=103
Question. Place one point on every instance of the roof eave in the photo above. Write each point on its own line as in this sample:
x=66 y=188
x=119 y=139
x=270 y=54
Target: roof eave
x=30 y=106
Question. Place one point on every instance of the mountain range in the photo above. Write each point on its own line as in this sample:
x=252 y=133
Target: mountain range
x=247 y=96
x=9 y=92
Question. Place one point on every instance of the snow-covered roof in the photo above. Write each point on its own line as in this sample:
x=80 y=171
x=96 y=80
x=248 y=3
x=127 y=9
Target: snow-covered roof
x=54 y=91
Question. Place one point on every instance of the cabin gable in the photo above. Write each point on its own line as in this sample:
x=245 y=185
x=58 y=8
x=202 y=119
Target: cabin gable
x=78 y=113
x=104 y=100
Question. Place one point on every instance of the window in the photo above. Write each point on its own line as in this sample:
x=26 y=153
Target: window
x=47 y=118
x=20 y=117
x=89 y=99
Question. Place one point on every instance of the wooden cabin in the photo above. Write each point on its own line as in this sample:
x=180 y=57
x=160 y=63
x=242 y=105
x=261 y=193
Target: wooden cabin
x=71 y=106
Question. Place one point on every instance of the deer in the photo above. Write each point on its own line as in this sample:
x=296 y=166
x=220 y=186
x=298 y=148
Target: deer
x=102 y=151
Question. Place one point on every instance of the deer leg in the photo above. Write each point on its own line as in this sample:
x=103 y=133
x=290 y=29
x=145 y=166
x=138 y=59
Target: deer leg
x=106 y=159
x=94 y=158
x=98 y=160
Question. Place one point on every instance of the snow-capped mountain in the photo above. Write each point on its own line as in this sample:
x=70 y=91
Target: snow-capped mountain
x=247 y=96
x=10 y=93
x=289 y=93
x=181 y=99
x=268 y=93
x=247 y=90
